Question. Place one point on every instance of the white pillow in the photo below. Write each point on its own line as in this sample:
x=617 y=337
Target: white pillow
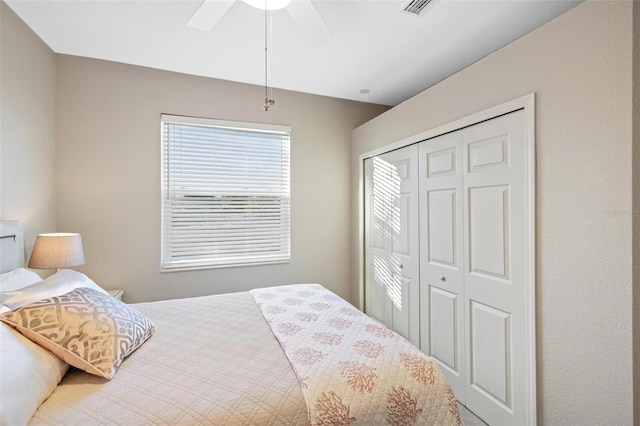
x=28 y=372
x=61 y=282
x=28 y=375
x=17 y=279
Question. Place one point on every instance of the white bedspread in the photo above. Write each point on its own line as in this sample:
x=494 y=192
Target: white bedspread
x=213 y=360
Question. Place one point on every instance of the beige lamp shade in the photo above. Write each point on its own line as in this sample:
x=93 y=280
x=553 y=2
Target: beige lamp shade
x=57 y=250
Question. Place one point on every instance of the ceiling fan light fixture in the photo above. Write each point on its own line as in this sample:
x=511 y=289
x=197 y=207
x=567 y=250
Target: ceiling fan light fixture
x=268 y=4
x=415 y=7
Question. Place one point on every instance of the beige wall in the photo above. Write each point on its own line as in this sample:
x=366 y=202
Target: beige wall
x=636 y=212
x=27 y=128
x=108 y=180
x=579 y=65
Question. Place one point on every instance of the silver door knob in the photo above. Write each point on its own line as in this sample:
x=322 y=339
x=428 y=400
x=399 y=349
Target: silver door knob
x=443 y=278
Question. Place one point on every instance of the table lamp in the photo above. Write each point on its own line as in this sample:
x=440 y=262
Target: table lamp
x=57 y=250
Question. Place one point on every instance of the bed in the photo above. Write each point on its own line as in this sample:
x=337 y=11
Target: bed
x=286 y=355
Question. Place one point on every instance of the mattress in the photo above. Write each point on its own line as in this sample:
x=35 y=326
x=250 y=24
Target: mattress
x=286 y=355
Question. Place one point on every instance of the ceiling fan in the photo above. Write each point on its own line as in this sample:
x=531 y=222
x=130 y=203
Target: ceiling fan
x=303 y=13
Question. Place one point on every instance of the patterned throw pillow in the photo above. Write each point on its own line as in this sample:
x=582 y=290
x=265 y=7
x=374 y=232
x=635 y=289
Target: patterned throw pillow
x=85 y=328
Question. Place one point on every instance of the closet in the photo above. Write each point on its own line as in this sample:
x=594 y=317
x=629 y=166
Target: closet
x=447 y=261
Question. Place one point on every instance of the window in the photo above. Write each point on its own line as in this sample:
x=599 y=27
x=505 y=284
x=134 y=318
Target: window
x=225 y=193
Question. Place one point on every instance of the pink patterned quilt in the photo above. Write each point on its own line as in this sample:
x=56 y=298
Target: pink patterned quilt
x=351 y=369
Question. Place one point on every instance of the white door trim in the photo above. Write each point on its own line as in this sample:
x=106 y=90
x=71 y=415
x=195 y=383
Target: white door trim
x=527 y=103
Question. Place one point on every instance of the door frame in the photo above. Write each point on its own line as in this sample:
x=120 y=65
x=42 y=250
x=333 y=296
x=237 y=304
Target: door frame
x=526 y=103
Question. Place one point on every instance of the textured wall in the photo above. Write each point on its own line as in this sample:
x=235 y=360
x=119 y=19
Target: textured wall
x=580 y=67
x=27 y=128
x=636 y=212
x=108 y=175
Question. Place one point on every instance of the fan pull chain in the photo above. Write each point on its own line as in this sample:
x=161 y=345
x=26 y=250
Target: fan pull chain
x=267 y=101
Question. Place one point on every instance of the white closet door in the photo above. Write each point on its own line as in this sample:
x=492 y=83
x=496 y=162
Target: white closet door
x=391 y=241
x=442 y=256
x=469 y=302
x=495 y=283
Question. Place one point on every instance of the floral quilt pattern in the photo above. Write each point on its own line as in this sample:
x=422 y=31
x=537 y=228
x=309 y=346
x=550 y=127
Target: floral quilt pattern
x=351 y=369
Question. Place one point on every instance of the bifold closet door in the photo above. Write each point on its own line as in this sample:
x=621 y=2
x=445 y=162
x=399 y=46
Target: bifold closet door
x=391 y=241
x=472 y=190
x=448 y=260
x=442 y=256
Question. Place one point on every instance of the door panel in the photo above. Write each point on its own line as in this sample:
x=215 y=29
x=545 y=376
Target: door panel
x=401 y=231
x=376 y=292
x=442 y=162
x=441 y=254
x=495 y=276
x=391 y=223
x=489 y=231
x=489 y=153
x=400 y=297
x=490 y=371
x=443 y=312
x=377 y=228
x=441 y=226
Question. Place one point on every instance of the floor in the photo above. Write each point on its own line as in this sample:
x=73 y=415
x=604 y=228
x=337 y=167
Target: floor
x=468 y=418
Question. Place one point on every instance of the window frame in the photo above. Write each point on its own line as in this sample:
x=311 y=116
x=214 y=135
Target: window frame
x=166 y=263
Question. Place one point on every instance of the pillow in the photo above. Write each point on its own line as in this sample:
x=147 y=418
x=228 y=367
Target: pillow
x=86 y=328
x=17 y=279
x=28 y=375
x=59 y=283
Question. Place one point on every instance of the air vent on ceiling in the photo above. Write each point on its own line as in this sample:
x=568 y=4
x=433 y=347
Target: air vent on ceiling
x=415 y=7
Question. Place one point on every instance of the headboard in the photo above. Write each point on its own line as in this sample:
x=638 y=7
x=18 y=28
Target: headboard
x=11 y=245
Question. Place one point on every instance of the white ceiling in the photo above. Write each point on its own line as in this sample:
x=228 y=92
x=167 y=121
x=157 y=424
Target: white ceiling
x=375 y=44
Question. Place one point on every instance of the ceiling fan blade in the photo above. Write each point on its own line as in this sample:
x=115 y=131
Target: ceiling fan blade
x=306 y=16
x=209 y=13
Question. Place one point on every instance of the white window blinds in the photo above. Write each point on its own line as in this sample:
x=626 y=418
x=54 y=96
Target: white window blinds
x=225 y=193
